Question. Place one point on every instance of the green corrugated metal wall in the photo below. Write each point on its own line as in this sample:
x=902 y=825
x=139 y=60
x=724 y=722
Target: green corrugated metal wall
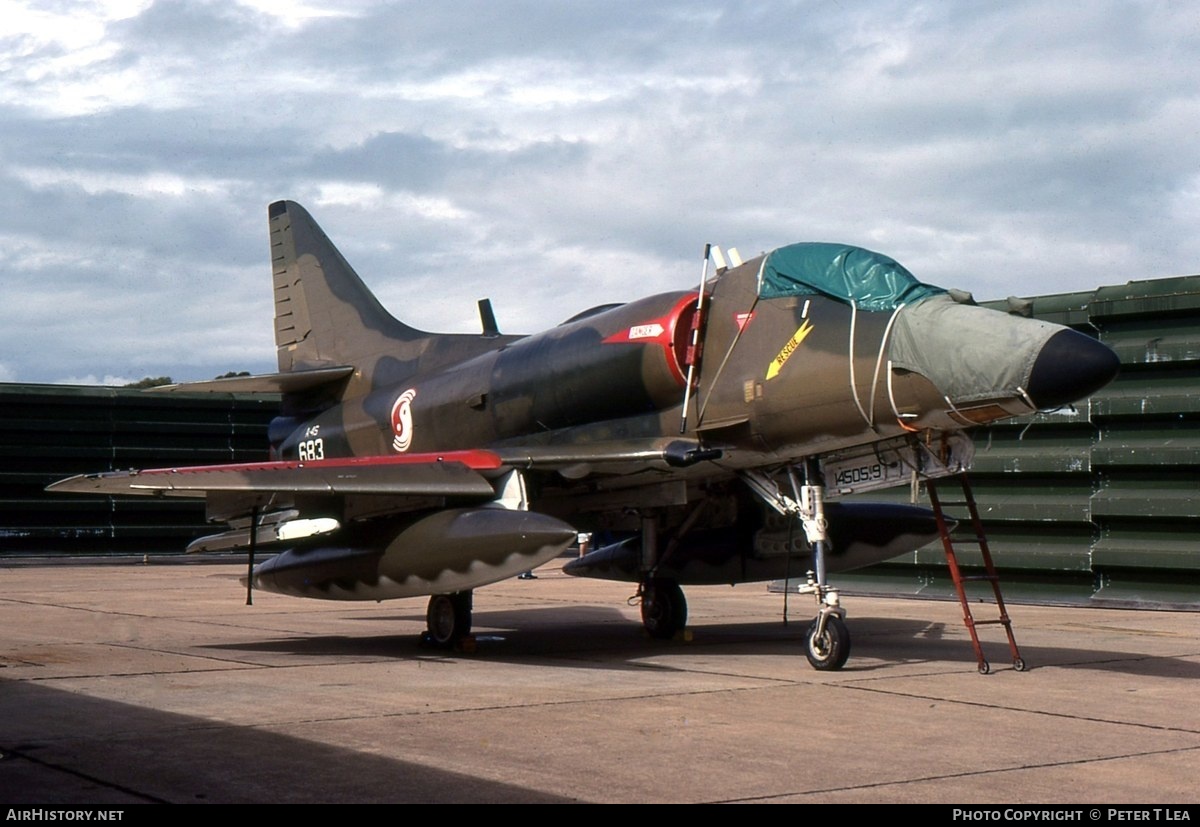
x=1099 y=503
x=48 y=432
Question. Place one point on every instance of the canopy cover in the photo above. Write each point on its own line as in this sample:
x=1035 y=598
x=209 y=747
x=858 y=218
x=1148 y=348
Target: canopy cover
x=871 y=281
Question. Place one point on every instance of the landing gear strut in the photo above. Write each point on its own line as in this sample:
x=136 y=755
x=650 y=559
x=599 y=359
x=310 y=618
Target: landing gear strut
x=448 y=619
x=664 y=609
x=827 y=642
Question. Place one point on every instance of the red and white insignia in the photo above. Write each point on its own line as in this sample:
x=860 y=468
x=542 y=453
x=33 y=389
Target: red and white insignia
x=402 y=426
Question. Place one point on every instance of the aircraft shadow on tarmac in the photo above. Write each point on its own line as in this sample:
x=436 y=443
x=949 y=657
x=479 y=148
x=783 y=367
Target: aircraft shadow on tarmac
x=604 y=638
x=64 y=747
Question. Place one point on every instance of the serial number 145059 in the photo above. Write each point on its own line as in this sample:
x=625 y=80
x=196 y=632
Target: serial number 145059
x=864 y=474
x=858 y=474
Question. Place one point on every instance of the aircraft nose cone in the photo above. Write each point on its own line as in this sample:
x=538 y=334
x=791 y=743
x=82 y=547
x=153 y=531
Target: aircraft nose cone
x=1070 y=366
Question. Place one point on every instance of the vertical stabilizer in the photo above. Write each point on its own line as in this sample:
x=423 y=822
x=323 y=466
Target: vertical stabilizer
x=324 y=314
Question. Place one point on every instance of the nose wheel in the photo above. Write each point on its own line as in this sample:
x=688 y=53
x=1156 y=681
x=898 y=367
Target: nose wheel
x=827 y=644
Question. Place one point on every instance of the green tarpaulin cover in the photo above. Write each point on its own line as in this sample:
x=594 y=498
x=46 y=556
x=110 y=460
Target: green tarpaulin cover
x=871 y=280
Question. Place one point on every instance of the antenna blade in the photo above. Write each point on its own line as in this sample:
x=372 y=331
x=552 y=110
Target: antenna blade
x=488 y=319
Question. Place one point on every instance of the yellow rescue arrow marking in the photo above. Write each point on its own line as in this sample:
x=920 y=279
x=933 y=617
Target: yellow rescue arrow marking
x=778 y=362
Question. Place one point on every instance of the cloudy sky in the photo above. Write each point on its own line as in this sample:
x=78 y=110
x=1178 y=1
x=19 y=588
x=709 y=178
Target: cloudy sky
x=558 y=155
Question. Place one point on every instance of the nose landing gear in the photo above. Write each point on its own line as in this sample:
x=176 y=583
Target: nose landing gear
x=827 y=641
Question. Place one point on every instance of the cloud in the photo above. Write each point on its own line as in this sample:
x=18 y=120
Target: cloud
x=108 y=381
x=559 y=155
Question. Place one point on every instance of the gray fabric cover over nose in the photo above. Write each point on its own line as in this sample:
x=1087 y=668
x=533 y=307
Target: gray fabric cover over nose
x=970 y=353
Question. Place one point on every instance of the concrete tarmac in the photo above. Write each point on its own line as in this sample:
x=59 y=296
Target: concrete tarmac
x=122 y=684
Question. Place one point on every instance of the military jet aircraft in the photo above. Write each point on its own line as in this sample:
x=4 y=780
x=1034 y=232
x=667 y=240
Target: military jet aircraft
x=702 y=431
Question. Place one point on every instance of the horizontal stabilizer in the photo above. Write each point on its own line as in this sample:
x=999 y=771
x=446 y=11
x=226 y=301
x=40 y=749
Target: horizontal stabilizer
x=292 y=382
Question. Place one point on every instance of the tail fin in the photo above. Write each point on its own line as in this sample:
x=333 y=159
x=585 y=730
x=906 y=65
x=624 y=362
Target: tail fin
x=324 y=314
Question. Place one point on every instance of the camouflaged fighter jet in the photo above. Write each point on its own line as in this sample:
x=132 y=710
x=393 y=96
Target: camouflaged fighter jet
x=702 y=431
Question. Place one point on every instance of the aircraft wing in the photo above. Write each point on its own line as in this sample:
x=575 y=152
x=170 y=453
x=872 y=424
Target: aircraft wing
x=450 y=474
x=356 y=488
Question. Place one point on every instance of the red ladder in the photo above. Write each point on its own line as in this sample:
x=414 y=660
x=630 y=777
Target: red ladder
x=960 y=579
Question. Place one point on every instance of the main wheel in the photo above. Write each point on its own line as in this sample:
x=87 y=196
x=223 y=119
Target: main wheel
x=664 y=608
x=830 y=650
x=448 y=618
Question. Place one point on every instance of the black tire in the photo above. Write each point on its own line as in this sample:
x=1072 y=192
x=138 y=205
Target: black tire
x=448 y=619
x=664 y=609
x=831 y=649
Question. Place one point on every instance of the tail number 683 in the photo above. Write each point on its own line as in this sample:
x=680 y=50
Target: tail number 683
x=311 y=449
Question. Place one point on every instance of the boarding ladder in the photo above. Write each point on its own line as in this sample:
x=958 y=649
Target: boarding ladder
x=960 y=580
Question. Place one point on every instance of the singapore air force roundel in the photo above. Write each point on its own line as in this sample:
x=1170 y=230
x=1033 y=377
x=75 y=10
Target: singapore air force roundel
x=402 y=426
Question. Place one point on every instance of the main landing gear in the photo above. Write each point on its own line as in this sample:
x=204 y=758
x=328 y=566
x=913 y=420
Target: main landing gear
x=448 y=619
x=664 y=608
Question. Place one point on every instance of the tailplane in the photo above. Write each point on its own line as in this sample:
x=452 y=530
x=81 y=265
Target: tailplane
x=324 y=315
x=333 y=339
